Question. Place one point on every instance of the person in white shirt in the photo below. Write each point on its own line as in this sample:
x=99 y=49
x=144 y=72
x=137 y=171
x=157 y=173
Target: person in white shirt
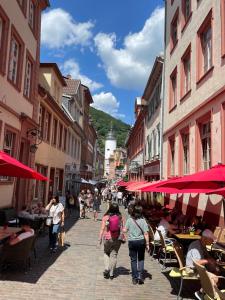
x=56 y=212
x=165 y=227
x=119 y=197
x=27 y=232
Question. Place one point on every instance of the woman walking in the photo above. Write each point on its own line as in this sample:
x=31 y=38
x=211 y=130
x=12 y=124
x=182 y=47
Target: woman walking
x=112 y=224
x=56 y=212
x=138 y=240
x=96 y=204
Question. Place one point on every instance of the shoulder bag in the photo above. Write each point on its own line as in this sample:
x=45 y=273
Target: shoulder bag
x=138 y=226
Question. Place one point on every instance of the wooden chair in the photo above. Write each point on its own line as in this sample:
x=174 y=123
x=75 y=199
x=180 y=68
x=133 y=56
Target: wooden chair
x=182 y=272
x=154 y=243
x=18 y=254
x=166 y=249
x=208 y=287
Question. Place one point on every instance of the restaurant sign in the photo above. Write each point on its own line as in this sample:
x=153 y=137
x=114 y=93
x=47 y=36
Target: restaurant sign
x=152 y=170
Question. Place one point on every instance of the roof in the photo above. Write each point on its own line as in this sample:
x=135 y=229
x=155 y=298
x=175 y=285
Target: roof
x=110 y=135
x=56 y=69
x=72 y=86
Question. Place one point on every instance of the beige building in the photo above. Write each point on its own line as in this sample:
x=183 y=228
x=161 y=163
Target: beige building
x=20 y=22
x=194 y=107
x=58 y=155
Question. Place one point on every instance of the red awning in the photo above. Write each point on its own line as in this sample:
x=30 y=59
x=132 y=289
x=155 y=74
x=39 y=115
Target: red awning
x=135 y=186
x=123 y=183
x=218 y=192
x=9 y=166
x=200 y=182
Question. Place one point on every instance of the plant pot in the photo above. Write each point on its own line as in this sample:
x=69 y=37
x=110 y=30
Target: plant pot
x=192 y=233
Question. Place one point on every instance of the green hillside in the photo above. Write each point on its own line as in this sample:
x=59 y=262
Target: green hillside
x=102 y=122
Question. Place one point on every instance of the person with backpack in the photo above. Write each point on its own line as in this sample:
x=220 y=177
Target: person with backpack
x=111 y=228
x=138 y=240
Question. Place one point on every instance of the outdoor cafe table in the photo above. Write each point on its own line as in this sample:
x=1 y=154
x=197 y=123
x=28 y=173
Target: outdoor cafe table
x=6 y=233
x=187 y=236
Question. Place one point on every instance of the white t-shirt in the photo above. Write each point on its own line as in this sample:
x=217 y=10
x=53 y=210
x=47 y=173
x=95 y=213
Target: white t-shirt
x=55 y=212
x=163 y=227
x=25 y=235
x=119 y=195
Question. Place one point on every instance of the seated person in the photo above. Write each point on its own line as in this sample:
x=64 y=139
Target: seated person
x=165 y=227
x=27 y=232
x=197 y=252
x=40 y=209
x=24 y=213
x=197 y=224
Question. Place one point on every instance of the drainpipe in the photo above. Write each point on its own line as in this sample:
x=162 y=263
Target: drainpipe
x=163 y=99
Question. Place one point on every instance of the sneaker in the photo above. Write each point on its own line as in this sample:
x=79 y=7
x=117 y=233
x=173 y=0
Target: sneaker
x=199 y=295
x=111 y=277
x=134 y=281
x=140 y=281
x=54 y=250
x=106 y=274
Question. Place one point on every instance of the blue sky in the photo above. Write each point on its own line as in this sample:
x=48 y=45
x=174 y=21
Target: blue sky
x=109 y=45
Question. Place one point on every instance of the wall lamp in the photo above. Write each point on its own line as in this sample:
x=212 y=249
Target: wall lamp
x=34 y=134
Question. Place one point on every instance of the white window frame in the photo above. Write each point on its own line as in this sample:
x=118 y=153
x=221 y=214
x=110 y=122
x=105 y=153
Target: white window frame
x=14 y=60
x=206 y=40
x=206 y=145
x=186 y=153
x=187 y=74
x=28 y=79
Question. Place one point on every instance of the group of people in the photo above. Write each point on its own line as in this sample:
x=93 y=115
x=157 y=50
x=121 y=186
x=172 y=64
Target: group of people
x=111 y=234
x=89 y=201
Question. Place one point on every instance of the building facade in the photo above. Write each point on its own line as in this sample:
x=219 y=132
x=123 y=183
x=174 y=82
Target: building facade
x=193 y=137
x=135 y=142
x=58 y=155
x=152 y=95
x=20 y=25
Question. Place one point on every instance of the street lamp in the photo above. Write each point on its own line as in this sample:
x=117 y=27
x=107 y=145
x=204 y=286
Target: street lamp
x=34 y=134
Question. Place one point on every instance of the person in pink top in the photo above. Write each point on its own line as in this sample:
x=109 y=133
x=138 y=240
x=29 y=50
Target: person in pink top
x=111 y=227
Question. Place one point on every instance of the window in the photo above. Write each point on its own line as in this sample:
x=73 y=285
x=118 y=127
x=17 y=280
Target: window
x=54 y=132
x=185 y=143
x=1 y=32
x=186 y=72
x=158 y=135
x=31 y=14
x=47 y=126
x=206 y=145
x=23 y=5
x=186 y=11
x=4 y=28
x=41 y=120
x=172 y=157
x=60 y=135
x=15 y=59
x=69 y=138
x=28 y=79
x=174 y=30
x=206 y=41
x=65 y=139
x=205 y=47
x=9 y=143
x=173 y=89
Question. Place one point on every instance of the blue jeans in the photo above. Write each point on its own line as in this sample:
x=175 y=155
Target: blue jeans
x=137 y=256
x=53 y=233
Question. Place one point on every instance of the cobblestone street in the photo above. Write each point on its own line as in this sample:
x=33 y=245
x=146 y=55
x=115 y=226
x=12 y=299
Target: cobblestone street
x=76 y=272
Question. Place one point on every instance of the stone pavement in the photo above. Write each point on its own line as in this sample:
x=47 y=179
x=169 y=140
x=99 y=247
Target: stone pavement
x=75 y=272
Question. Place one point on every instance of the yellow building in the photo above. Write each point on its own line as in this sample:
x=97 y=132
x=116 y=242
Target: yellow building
x=58 y=155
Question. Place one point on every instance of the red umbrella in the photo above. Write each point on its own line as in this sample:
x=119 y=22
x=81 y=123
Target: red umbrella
x=200 y=182
x=154 y=184
x=218 y=192
x=123 y=183
x=9 y=166
x=135 y=186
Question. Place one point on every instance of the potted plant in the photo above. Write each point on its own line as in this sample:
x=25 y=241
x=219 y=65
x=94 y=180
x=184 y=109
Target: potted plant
x=192 y=230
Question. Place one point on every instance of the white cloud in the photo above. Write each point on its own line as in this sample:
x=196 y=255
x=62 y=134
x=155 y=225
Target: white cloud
x=129 y=67
x=71 y=67
x=59 y=29
x=108 y=103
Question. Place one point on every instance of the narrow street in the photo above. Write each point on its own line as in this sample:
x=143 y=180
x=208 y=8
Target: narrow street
x=76 y=272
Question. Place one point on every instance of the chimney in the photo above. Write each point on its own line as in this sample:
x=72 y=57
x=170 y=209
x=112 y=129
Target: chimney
x=69 y=76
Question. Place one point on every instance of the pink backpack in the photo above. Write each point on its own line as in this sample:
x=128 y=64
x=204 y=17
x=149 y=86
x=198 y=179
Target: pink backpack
x=114 y=226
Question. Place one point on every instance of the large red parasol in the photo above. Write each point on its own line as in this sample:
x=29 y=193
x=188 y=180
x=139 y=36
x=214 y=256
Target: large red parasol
x=9 y=166
x=200 y=182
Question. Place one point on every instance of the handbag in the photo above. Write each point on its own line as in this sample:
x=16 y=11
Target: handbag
x=61 y=237
x=49 y=221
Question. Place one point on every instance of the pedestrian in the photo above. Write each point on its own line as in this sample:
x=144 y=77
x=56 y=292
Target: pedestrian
x=96 y=204
x=138 y=240
x=119 y=197
x=82 y=203
x=112 y=226
x=109 y=198
x=56 y=212
x=89 y=200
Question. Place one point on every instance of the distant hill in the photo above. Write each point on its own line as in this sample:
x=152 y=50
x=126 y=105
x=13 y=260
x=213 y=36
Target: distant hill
x=102 y=123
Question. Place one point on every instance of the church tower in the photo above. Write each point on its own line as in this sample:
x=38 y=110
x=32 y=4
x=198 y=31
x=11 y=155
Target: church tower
x=110 y=146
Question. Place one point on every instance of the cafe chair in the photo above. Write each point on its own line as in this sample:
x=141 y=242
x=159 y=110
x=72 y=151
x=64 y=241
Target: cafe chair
x=208 y=289
x=166 y=250
x=182 y=272
x=18 y=254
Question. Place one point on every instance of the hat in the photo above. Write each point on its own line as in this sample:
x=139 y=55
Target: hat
x=208 y=234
